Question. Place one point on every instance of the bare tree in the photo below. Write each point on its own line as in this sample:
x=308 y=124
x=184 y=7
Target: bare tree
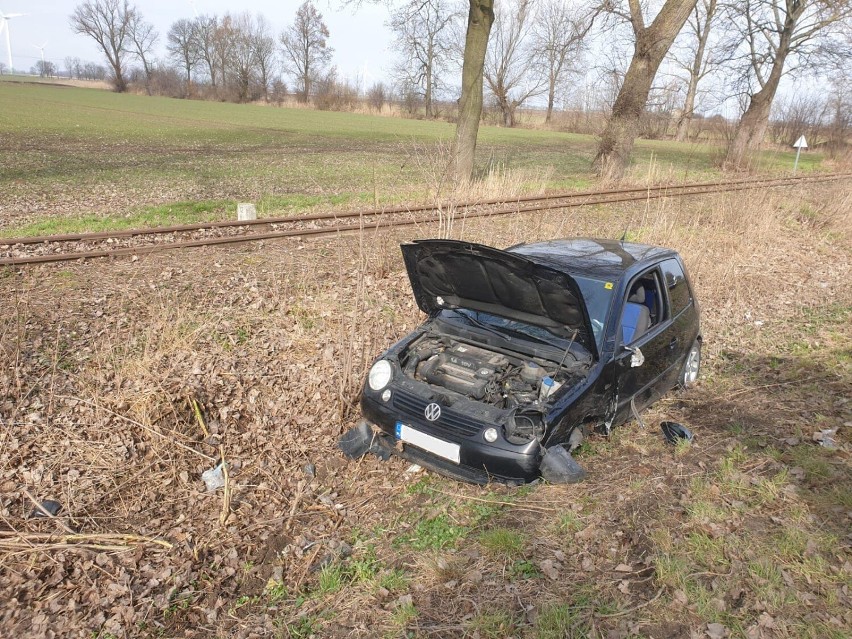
x=143 y=37
x=279 y=91
x=840 y=111
x=264 y=53
x=659 y=110
x=73 y=66
x=377 y=95
x=479 y=20
x=206 y=29
x=422 y=29
x=242 y=56
x=697 y=65
x=797 y=115
x=306 y=50
x=92 y=71
x=44 y=69
x=651 y=44
x=559 y=36
x=510 y=72
x=182 y=45
x=779 y=37
x=224 y=40
x=107 y=22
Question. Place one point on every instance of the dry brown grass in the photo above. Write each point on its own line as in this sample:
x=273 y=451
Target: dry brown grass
x=98 y=362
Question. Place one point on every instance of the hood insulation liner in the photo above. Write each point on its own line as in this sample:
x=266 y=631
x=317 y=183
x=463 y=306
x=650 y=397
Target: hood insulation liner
x=453 y=274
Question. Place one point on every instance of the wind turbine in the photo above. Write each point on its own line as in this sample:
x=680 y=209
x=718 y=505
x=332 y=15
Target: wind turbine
x=41 y=48
x=4 y=24
x=194 y=9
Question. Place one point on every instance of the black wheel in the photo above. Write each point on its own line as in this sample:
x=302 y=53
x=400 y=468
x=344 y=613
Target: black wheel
x=691 y=367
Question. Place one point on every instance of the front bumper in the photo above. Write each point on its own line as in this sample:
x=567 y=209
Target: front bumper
x=480 y=461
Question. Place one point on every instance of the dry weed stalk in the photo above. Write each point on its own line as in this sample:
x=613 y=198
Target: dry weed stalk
x=27 y=541
x=226 y=493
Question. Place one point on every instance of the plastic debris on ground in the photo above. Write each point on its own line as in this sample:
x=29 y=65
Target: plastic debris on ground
x=360 y=440
x=826 y=438
x=214 y=478
x=674 y=432
x=47 y=506
x=558 y=467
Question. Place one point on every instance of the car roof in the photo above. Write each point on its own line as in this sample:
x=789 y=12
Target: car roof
x=593 y=256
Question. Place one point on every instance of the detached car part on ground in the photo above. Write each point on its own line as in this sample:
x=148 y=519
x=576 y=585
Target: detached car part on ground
x=525 y=351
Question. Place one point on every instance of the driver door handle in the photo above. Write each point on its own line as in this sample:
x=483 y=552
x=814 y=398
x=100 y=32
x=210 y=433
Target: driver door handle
x=673 y=344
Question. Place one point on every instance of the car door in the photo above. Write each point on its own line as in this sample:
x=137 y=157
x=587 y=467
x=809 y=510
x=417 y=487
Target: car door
x=684 y=323
x=643 y=383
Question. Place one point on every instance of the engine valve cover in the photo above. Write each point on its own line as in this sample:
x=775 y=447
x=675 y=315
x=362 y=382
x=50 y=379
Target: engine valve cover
x=463 y=369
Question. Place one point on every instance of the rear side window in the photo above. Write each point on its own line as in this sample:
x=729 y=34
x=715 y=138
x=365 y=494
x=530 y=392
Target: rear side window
x=679 y=295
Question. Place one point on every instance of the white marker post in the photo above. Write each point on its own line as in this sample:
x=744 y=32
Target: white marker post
x=800 y=144
x=246 y=212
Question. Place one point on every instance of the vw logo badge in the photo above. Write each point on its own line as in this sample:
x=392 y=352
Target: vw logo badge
x=432 y=412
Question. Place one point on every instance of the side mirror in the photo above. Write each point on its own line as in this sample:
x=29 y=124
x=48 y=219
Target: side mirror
x=636 y=357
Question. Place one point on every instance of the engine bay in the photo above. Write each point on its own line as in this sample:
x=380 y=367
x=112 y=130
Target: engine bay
x=507 y=381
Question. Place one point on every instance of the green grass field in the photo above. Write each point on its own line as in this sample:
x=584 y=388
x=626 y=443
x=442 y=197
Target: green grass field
x=76 y=159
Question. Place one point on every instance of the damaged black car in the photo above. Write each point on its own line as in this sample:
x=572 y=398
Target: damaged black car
x=525 y=351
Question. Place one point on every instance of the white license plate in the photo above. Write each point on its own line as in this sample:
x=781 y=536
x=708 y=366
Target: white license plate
x=428 y=443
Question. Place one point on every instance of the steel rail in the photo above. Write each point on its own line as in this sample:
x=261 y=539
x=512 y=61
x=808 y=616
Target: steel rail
x=570 y=195
x=546 y=204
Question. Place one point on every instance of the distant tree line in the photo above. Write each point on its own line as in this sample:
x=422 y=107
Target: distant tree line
x=657 y=65
x=75 y=68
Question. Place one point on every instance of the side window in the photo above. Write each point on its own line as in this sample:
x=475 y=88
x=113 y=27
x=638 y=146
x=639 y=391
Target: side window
x=644 y=307
x=676 y=284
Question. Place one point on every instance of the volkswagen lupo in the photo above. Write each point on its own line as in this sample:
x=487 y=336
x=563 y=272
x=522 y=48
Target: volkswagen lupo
x=525 y=350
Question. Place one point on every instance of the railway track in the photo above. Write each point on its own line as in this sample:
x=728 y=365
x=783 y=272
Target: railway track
x=19 y=251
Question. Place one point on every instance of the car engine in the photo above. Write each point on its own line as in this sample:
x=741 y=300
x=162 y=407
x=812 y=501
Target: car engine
x=502 y=380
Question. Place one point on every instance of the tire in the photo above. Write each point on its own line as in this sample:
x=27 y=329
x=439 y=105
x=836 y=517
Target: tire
x=691 y=367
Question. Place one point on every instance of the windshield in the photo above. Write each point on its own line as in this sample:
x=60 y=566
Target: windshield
x=598 y=297
x=506 y=328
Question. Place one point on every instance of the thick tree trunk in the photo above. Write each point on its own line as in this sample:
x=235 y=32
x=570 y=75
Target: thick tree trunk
x=652 y=44
x=118 y=81
x=507 y=112
x=617 y=139
x=188 y=67
x=752 y=126
x=427 y=97
x=211 y=68
x=750 y=131
x=551 y=98
x=306 y=83
x=479 y=21
x=147 y=70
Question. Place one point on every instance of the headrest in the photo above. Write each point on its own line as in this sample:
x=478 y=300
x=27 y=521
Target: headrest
x=638 y=295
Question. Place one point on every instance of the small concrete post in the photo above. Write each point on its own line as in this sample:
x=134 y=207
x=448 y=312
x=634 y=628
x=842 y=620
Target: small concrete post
x=246 y=212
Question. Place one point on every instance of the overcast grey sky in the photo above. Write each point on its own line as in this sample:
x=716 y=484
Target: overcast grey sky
x=359 y=37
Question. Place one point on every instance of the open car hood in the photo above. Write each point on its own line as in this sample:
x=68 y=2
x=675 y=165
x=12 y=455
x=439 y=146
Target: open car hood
x=453 y=274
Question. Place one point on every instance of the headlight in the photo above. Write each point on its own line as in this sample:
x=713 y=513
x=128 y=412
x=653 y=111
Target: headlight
x=524 y=425
x=380 y=375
